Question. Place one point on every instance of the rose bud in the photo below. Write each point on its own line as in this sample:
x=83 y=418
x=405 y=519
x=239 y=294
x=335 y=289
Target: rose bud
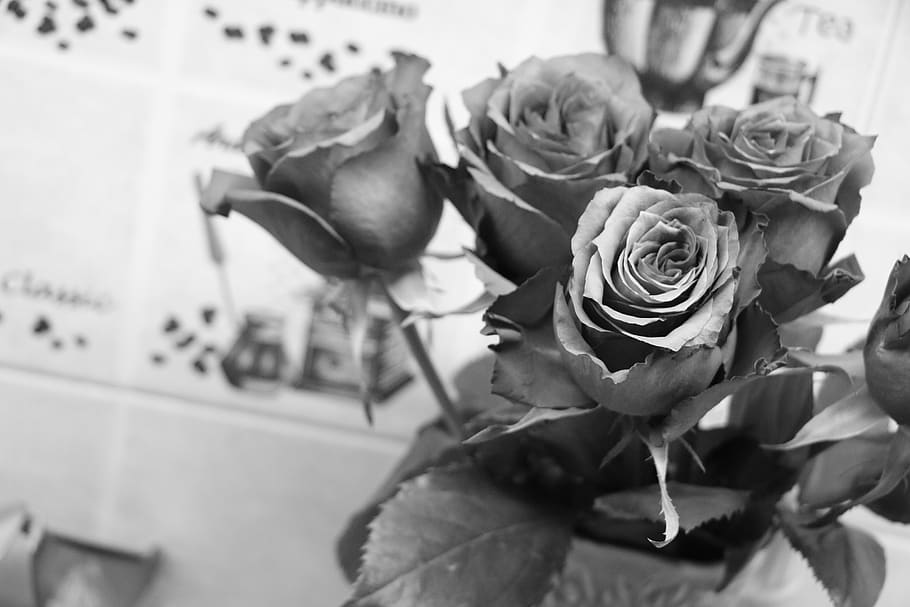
x=646 y=318
x=887 y=350
x=542 y=139
x=339 y=173
x=802 y=171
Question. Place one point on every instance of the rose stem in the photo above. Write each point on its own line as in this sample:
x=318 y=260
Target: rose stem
x=420 y=354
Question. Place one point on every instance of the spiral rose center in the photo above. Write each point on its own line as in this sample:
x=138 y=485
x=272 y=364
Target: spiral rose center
x=773 y=137
x=574 y=114
x=663 y=256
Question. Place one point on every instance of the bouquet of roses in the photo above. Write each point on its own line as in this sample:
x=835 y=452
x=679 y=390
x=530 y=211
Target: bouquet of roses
x=637 y=278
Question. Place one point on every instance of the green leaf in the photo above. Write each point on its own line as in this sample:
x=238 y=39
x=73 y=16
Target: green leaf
x=774 y=409
x=495 y=283
x=695 y=504
x=894 y=506
x=535 y=417
x=433 y=445
x=529 y=369
x=848 y=365
x=576 y=440
x=848 y=562
x=660 y=454
x=519 y=237
x=843 y=471
x=452 y=538
x=532 y=302
x=854 y=415
x=895 y=469
x=758 y=353
x=789 y=292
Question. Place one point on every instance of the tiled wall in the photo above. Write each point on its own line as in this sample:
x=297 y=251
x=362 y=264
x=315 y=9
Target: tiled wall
x=246 y=505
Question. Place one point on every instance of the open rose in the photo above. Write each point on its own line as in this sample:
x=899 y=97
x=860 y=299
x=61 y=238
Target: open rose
x=646 y=319
x=542 y=139
x=337 y=175
x=802 y=171
x=887 y=351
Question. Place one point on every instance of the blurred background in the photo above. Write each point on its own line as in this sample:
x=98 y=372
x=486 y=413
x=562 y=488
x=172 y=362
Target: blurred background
x=136 y=409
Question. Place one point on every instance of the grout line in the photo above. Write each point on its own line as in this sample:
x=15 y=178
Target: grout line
x=158 y=134
x=140 y=398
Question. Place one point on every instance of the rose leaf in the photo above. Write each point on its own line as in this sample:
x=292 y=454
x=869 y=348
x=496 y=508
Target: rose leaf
x=432 y=446
x=531 y=303
x=535 y=418
x=848 y=365
x=518 y=236
x=494 y=282
x=529 y=367
x=449 y=538
x=695 y=504
x=848 y=562
x=660 y=454
x=894 y=472
x=774 y=409
x=844 y=471
x=758 y=353
x=789 y=293
x=849 y=417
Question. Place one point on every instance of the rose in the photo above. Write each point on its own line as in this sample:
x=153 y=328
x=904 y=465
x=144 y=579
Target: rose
x=338 y=178
x=780 y=159
x=542 y=139
x=887 y=350
x=646 y=318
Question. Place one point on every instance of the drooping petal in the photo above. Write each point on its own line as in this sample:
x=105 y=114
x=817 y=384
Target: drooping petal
x=300 y=230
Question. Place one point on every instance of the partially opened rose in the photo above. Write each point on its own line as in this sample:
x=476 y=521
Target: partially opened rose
x=780 y=159
x=338 y=180
x=887 y=350
x=646 y=318
x=542 y=139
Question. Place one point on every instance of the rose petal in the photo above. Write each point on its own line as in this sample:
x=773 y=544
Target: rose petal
x=648 y=388
x=266 y=139
x=306 y=174
x=382 y=205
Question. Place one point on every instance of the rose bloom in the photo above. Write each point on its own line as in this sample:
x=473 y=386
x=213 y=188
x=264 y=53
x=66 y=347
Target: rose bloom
x=779 y=159
x=338 y=178
x=887 y=350
x=646 y=318
x=542 y=139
